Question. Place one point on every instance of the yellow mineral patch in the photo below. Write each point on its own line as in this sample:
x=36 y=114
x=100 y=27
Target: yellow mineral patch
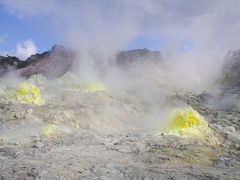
x=3 y=139
x=91 y=87
x=188 y=123
x=28 y=93
x=186 y=118
x=50 y=130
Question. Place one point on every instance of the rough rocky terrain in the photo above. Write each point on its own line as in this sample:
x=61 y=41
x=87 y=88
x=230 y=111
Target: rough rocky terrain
x=59 y=60
x=93 y=143
x=52 y=64
x=138 y=55
x=231 y=70
x=104 y=135
x=7 y=64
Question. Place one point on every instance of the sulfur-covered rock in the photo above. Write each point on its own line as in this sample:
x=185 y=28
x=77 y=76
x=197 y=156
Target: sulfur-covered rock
x=50 y=130
x=188 y=123
x=92 y=87
x=27 y=93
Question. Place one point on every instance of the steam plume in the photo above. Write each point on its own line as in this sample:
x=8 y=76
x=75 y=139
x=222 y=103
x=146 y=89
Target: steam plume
x=196 y=34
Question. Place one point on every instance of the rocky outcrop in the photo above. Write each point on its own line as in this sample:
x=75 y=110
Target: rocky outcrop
x=230 y=77
x=137 y=55
x=8 y=63
x=59 y=60
x=52 y=64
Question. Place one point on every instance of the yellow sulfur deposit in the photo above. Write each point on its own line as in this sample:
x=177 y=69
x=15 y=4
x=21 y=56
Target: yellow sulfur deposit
x=186 y=118
x=28 y=93
x=91 y=87
x=3 y=139
x=188 y=123
x=50 y=130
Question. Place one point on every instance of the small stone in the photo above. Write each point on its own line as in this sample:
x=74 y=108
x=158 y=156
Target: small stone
x=233 y=137
x=38 y=145
x=33 y=173
x=236 y=146
x=230 y=129
x=36 y=138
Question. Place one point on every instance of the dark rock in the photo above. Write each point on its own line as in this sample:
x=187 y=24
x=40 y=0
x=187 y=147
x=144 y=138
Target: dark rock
x=137 y=55
x=8 y=63
x=205 y=96
x=59 y=60
x=52 y=64
x=231 y=70
x=33 y=173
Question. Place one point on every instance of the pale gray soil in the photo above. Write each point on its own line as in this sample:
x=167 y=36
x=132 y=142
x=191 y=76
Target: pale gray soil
x=105 y=137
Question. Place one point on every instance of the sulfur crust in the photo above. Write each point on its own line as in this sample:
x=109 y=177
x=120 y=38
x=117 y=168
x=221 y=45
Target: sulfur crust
x=188 y=123
x=28 y=93
x=50 y=130
x=91 y=87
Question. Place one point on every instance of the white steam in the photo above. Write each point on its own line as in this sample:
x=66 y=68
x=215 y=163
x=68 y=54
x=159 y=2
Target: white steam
x=98 y=29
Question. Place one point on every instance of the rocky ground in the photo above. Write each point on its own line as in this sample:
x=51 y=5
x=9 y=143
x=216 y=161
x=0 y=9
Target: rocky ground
x=73 y=132
x=76 y=135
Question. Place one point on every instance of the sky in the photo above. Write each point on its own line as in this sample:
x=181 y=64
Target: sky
x=108 y=26
x=193 y=36
x=18 y=29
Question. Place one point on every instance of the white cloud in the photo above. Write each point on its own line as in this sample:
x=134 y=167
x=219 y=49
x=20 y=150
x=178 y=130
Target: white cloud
x=109 y=25
x=101 y=28
x=26 y=49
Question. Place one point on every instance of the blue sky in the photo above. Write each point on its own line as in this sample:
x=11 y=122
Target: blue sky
x=147 y=42
x=186 y=26
x=16 y=30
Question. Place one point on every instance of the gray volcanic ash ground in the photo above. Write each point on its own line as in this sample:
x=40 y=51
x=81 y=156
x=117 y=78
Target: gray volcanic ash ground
x=97 y=130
